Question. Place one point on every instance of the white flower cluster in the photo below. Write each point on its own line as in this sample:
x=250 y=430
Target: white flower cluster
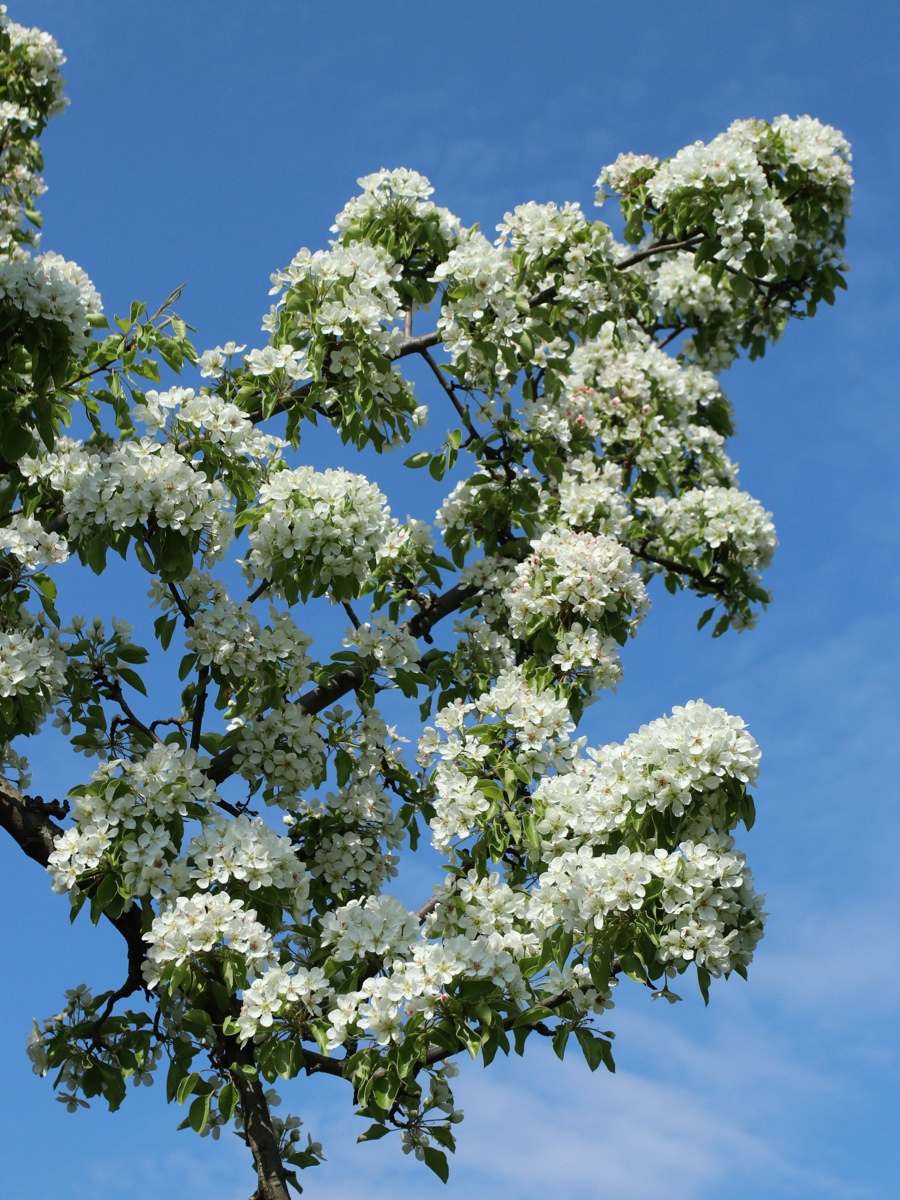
x=279 y=989
x=354 y=859
x=279 y=358
x=481 y=299
x=485 y=501
x=389 y=644
x=721 y=518
x=622 y=175
x=537 y=231
x=42 y=57
x=641 y=404
x=406 y=543
x=31 y=663
x=387 y=193
x=204 y=924
x=537 y=720
x=675 y=764
x=186 y=412
x=578 y=890
x=77 y=276
x=380 y=927
x=419 y=984
x=589 y=656
x=13 y=114
x=734 y=167
x=481 y=652
x=32 y=63
x=332 y=519
x=352 y=295
x=711 y=913
x=245 y=849
x=49 y=289
x=678 y=285
x=555 y=248
x=821 y=150
x=571 y=575
x=212 y=363
x=125 y=485
x=232 y=638
x=281 y=750
x=133 y=803
x=590 y=497
x=539 y=717
x=24 y=539
x=348 y=838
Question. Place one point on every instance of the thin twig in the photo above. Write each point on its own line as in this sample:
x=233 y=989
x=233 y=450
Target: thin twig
x=689 y=243
x=451 y=392
x=199 y=707
x=181 y=604
x=258 y=591
x=354 y=619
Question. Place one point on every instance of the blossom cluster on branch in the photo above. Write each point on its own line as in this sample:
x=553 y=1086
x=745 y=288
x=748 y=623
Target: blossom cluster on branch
x=581 y=432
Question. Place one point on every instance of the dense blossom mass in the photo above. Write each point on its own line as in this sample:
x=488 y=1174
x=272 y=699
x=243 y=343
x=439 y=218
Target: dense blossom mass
x=244 y=828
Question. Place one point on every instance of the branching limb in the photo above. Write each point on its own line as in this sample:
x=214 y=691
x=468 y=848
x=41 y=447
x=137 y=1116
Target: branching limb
x=258 y=1127
x=451 y=392
x=713 y=583
x=689 y=243
x=181 y=605
x=350 y=678
x=439 y=1053
x=114 y=689
x=199 y=707
x=25 y=820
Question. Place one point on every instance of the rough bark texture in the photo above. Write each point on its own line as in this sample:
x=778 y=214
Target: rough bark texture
x=258 y=1127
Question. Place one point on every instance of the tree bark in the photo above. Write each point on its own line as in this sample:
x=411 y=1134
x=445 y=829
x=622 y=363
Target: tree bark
x=258 y=1128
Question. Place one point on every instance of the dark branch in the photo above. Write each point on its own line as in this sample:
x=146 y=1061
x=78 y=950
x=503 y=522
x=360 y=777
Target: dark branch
x=258 y=1128
x=199 y=707
x=715 y=583
x=448 y=388
x=438 y=1053
x=689 y=243
x=25 y=820
x=350 y=678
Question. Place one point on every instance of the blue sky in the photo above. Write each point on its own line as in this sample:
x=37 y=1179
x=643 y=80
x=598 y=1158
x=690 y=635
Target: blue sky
x=204 y=143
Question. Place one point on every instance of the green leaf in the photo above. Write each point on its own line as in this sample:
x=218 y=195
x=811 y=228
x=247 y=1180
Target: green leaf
x=46 y=585
x=437 y=1161
x=437 y=467
x=228 y=1098
x=373 y=1133
x=132 y=678
x=705 y=617
x=15 y=439
x=592 y=1048
x=703 y=979
x=198 y=1113
x=103 y=897
x=187 y=1086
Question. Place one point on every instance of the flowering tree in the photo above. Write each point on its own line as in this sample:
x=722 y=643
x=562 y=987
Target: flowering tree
x=242 y=837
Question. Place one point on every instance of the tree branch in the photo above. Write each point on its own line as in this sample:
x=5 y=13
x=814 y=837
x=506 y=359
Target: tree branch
x=438 y=1053
x=24 y=819
x=715 y=583
x=448 y=388
x=689 y=243
x=258 y=1127
x=350 y=678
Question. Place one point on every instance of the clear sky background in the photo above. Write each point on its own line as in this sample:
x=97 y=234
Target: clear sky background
x=205 y=142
